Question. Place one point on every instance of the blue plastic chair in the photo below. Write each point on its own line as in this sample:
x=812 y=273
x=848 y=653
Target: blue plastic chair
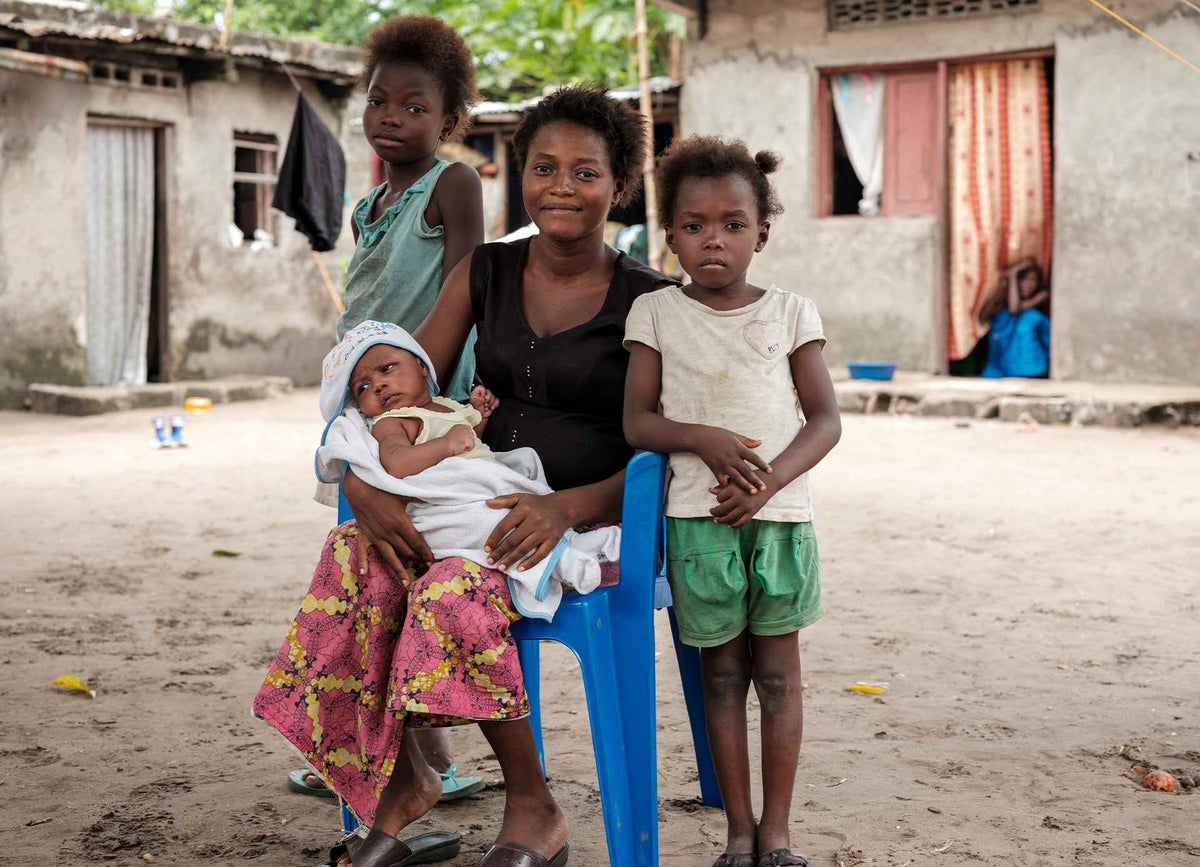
x=611 y=632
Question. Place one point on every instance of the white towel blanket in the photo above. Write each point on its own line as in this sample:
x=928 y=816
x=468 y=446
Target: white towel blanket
x=453 y=516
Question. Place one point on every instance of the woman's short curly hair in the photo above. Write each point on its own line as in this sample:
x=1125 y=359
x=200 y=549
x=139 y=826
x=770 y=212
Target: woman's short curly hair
x=433 y=45
x=618 y=123
x=705 y=156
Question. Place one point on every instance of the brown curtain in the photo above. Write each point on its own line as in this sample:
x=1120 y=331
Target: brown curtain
x=1000 y=184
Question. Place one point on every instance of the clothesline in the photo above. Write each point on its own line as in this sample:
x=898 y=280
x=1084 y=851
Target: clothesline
x=1193 y=67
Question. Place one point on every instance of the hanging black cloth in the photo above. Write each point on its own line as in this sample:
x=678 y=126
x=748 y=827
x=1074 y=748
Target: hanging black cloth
x=312 y=180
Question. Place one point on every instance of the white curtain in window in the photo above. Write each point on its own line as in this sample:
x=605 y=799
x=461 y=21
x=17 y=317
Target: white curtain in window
x=120 y=252
x=858 y=103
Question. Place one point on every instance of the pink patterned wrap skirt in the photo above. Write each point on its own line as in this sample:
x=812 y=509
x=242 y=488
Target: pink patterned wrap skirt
x=365 y=657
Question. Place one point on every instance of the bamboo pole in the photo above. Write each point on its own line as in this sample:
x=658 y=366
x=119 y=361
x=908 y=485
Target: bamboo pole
x=654 y=250
x=225 y=25
x=329 y=287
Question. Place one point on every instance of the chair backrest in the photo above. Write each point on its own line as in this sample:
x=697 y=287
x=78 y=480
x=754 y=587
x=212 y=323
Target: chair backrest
x=641 y=533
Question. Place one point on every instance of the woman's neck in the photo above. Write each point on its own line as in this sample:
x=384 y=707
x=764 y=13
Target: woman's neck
x=566 y=259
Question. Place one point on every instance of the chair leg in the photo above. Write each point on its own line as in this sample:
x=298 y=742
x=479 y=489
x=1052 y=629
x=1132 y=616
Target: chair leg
x=349 y=820
x=693 y=695
x=614 y=752
x=529 y=653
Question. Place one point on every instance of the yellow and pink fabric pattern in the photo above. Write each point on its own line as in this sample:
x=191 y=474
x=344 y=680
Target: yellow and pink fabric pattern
x=365 y=658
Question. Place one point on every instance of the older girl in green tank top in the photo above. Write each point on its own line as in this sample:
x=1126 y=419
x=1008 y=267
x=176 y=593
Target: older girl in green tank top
x=428 y=215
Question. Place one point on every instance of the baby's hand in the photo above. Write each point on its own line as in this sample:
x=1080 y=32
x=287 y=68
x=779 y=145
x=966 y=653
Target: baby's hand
x=459 y=439
x=484 y=401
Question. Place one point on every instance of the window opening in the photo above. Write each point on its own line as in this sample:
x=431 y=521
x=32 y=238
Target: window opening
x=847 y=188
x=254 y=159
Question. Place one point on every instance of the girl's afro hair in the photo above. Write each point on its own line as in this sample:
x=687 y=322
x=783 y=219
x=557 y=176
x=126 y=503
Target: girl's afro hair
x=705 y=156
x=433 y=45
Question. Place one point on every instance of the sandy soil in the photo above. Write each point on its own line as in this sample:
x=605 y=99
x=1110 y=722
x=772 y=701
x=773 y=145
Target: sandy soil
x=1030 y=598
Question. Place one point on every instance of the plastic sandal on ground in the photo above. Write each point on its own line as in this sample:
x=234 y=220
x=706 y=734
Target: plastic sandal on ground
x=454 y=787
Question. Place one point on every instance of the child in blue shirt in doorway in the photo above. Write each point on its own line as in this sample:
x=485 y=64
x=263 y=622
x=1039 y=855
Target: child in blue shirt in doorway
x=719 y=373
x=1019 y=337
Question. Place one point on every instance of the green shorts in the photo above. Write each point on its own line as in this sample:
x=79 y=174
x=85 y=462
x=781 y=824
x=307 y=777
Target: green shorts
x=763 y=576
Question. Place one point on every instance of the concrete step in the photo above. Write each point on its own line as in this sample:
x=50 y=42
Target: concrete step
x=96 y=399
x=1044 y=401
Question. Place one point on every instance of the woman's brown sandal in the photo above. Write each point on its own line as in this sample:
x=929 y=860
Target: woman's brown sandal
x=383 y=850
x=516 y=855
x=782 y=858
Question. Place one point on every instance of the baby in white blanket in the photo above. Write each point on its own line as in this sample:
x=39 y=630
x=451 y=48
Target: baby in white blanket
x=400 y=437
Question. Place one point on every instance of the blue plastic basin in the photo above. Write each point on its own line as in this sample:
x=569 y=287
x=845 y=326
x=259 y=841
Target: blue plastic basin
x=871 y=369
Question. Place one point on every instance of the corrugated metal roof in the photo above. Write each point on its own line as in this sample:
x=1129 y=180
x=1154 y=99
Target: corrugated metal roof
x=75 y=21
x=658 y=84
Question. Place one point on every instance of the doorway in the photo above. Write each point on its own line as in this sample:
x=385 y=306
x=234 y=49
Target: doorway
x=1000 y=214
x=125 y=236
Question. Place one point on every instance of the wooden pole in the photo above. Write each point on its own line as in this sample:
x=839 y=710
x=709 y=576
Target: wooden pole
x=225 y=25
x=329 y=287
x=654 y=249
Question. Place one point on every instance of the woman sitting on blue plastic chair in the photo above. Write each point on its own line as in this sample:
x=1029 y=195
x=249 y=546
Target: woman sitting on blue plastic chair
x=1019 y=337
x=550 y=314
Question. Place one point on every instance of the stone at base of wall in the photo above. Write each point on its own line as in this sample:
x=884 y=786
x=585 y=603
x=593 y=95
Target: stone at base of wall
x=93 y=400
x=1043 y=401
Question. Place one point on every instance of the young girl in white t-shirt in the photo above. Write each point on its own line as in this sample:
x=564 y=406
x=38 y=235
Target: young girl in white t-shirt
x=719 y=373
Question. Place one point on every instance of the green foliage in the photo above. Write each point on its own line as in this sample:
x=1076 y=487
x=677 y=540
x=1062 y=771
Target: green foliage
x=520 y=46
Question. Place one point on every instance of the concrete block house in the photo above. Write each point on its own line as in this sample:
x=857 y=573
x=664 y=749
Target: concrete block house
x=928 y=143
x=137 y=163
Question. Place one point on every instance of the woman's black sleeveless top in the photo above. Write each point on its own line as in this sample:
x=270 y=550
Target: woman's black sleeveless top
x=560 y=395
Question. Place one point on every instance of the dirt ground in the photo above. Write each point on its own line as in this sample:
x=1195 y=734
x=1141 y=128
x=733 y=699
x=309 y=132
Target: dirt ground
x=1030 y=598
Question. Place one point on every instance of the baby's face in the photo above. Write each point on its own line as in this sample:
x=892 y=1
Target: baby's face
x=387 y=377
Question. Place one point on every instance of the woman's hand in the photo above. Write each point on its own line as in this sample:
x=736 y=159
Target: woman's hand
x=383 y=522
x=730 y=455
x=529 y=532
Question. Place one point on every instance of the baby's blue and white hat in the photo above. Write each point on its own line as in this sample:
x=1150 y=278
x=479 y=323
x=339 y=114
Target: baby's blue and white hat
x=339 y=363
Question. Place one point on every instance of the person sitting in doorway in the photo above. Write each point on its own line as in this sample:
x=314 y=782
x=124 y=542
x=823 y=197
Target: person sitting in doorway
x=1019 y=338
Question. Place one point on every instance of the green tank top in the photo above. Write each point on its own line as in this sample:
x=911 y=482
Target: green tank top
x=396 y=271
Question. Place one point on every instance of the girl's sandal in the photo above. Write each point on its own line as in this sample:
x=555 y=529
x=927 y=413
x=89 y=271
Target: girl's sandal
x=734 y=859
x=782 y=858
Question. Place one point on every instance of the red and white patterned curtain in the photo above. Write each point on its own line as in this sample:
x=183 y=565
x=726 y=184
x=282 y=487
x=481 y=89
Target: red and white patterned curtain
x=1000 y=184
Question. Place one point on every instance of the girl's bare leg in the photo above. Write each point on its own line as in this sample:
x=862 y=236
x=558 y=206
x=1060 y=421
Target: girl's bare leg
x=776 y=672
x=725 y=673
x=531 y=816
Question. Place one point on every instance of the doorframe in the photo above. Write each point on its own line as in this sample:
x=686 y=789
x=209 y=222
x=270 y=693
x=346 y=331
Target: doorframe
x=942 y=314
x=159 y=358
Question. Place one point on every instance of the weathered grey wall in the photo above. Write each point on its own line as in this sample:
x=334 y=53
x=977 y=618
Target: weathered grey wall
x=1121 y=172
x=232 y=310
x=41 y=231
x=1127 y=268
